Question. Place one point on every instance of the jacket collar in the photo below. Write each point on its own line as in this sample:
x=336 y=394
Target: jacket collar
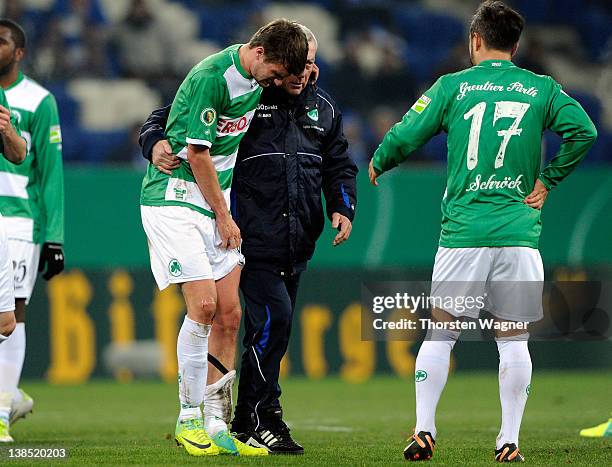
x=306 y=101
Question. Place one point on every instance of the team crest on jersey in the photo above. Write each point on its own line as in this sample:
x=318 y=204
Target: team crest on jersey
x=421 y=104
x=16 y=115
x=208 y=115
x=313 y=115
x=174 y=268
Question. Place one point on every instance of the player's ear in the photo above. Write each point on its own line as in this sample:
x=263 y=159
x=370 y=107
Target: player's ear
x=514 y=50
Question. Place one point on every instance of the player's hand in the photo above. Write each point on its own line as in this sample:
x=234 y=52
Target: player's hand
x=229 y=232
x=51 y=259
x=373 y=174
x=5 y=119
x=536 y=198
x=162 y=157
x=344 y=225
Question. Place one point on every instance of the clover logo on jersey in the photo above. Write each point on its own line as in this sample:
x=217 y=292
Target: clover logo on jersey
x=175 y=268
x=528 y=389
x=208 y=116
x=420 y=375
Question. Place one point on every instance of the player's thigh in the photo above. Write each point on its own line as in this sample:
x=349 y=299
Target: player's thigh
x=222 y=260
x=516 y=285
x=200 y=299
x=228 y=301
x=176 y=246
x=459 y=280
x=24 y=256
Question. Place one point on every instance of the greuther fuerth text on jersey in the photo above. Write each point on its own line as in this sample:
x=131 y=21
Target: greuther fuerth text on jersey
x=213 y=107
x=494 y=114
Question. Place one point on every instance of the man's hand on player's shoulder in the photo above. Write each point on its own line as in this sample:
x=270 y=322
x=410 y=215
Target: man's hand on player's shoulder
x=536 y=198
x=344 y=225
x=162 y=157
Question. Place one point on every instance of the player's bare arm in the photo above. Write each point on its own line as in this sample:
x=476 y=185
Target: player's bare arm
x=162 y=157
x=536 y=198
x=206 y=178
x=344 y=225
x=14 y=145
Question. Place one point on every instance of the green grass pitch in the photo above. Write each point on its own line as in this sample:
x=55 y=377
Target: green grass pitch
x=104 y=422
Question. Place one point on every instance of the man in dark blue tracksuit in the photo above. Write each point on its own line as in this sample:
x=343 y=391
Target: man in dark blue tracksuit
x=294 y=150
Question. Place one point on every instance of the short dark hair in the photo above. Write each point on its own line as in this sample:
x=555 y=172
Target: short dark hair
x=17 y=32
x=283 y=42
x=499 y=25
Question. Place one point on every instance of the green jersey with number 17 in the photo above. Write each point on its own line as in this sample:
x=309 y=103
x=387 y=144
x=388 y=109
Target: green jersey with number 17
x=494 y=114
x=213 y=107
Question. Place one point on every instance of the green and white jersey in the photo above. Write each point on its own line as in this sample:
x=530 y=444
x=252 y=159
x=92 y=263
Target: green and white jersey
x=213 y=107
x=494 y=114
x=32 y=193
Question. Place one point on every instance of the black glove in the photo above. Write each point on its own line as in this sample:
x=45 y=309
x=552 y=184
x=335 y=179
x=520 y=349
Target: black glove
x=51 y=255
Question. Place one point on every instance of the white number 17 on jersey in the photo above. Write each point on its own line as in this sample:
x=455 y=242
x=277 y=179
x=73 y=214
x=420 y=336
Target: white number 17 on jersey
x=503 y=109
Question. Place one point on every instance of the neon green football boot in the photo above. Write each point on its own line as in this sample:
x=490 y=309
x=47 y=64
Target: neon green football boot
x=191 y=435
x=600 y=431
x=246 y=450
x=5 y=435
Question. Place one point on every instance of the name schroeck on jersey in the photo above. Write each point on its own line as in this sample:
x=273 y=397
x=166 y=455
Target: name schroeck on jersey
x=466 y=87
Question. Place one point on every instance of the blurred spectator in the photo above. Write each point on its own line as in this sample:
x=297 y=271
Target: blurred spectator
x=382 y=118
x=355 y=130
x=75 y=42
x=129 y=151
x=531 y=55
x=143 y=44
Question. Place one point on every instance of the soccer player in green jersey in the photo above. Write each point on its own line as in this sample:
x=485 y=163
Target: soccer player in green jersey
x=13 y=149
x=31 y=201
x=494 y=114
x=193 y=240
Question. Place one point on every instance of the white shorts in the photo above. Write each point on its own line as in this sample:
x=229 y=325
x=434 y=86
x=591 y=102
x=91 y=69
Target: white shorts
x=184 y=246
x=509 y=280
x=25 y=256
x=7 y=286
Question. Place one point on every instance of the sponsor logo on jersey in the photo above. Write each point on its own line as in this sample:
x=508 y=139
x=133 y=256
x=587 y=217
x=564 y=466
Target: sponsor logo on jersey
x=313 y=115
x=174 y=268
x=228 y=126
x=55 y=134
x=491 y=184
x=421 y=104
x=208 y=115
x=420 y=375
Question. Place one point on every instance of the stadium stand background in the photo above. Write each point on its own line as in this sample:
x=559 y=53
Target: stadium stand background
x=110 y=62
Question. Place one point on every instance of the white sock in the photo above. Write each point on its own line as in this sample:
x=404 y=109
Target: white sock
x=12 y=354
x=218 y=404
x=514 y=379
x=192 y=353
x=431 y=373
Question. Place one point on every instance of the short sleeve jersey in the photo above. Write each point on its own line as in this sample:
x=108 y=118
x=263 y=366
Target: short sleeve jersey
x=213 y=107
